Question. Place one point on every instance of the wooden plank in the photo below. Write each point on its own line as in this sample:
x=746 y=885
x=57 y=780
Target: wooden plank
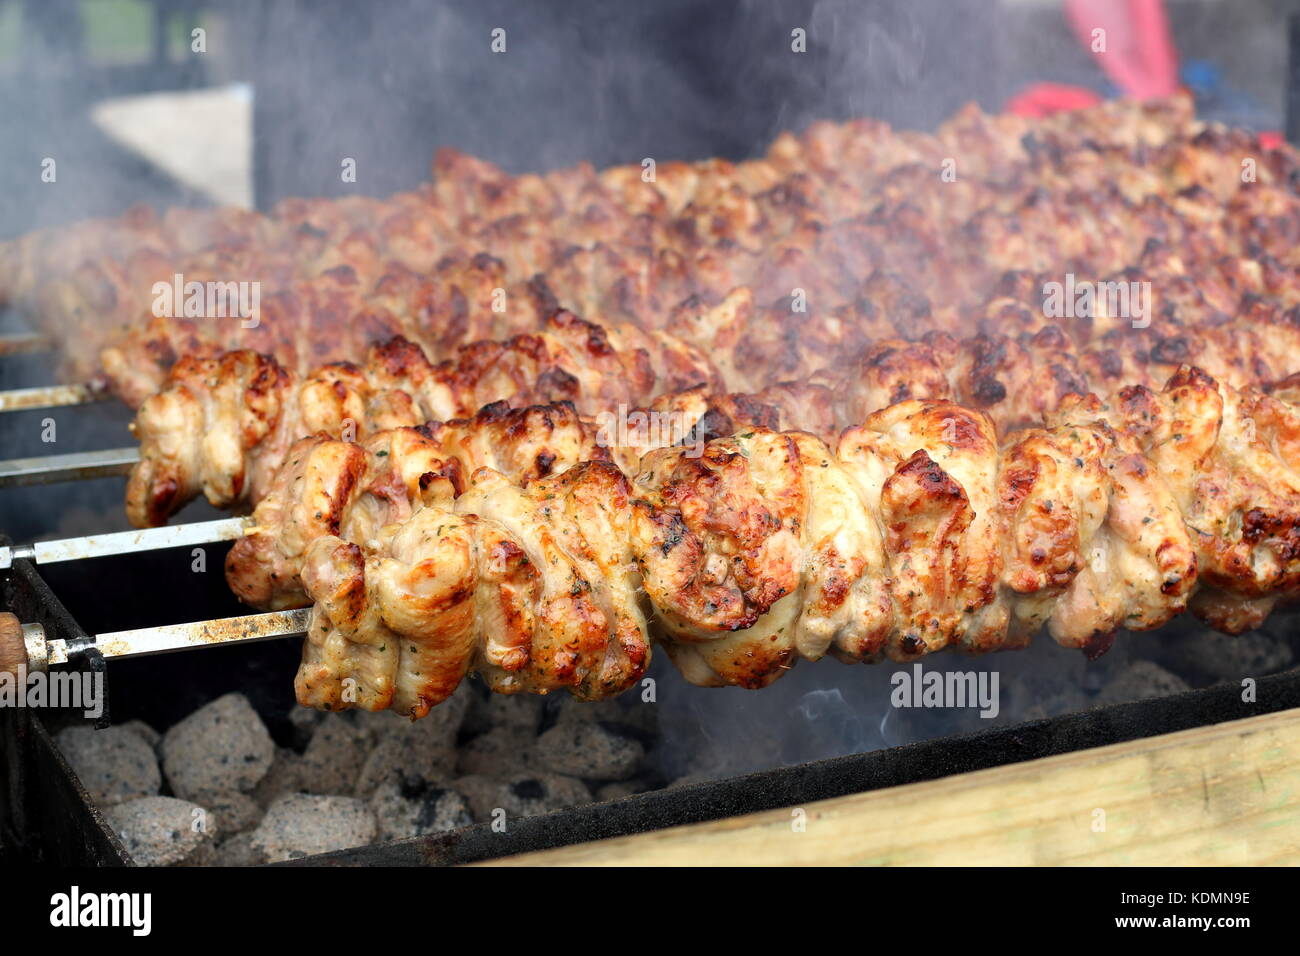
x=1228 y=794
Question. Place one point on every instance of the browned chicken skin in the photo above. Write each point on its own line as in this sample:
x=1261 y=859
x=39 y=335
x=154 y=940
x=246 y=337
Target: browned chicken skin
x=329 y=486
x=836 y=276
x=919 y=531
x=222 y=426
x=1122 y=186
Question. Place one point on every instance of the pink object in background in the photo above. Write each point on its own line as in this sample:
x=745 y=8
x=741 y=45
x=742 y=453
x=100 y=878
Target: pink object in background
x=1042 y=99
x=1137 y=55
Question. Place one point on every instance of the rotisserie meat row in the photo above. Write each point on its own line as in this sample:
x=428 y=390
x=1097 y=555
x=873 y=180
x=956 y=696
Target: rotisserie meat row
x=919 y=531
x=352 y=489
x=310 y=237
x=817 y=216
x=221 y=427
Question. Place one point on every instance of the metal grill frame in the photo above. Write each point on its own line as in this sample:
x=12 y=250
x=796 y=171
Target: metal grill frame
x=46 y=815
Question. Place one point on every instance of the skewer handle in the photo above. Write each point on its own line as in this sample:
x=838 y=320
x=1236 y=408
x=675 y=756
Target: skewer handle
x=13 y=647
x=23 y=646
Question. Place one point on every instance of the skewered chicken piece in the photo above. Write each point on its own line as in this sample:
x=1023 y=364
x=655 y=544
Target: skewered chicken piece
x=917 y=533
x=627 y=250
x=413 y=227
x=223 y=426
x=328 y=486
x=463 y=300
x=1097 y=233
x=339 y=312
x=1015 y=382
x=337 y=315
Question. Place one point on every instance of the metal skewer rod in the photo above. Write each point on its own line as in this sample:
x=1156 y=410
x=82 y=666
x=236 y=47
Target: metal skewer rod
x=27 y=645
x=50 y=469
x=183 y=637
x=49 y=396
x=125 y=542
x=23 y=343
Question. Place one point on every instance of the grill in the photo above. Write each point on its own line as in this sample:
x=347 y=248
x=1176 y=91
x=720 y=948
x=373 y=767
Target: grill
x=54 y=596
x=83 y=595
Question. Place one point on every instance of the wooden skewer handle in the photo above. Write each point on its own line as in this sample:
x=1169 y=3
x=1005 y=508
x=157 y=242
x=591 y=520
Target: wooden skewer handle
x=13 y=646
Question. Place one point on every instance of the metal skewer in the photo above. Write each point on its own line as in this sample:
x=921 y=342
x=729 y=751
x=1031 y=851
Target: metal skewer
x=23 y=343
x=183 y=637
x=49 y=469
x=26 y=645
x=49 y=396
x=124 y=542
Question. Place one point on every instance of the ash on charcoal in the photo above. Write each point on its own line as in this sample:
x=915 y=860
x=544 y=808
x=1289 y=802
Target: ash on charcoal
x=487 y=711
x=144 y=731
x=498 y=752
x=115 y=764
x=164 y=831
x=282 y=778
x=301 y=824
x=404 y=811
x=587 y=749
x=221 y=746
x=523 y=794
x=423 y=750
x=428 y=760
x=232 y=812
x=1142 y=679
x=239 y=851
x=334 y=758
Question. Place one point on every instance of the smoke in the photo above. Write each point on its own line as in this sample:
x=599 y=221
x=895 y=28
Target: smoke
x=591 y=81
x=827 y=709
x=581 y=81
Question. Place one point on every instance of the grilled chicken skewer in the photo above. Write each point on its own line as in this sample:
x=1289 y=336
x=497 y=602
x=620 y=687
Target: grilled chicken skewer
x=918 y=532
x=628 y=249
x=410 y=227
x=222 y=427
x=768 y=548
x=328 y=486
